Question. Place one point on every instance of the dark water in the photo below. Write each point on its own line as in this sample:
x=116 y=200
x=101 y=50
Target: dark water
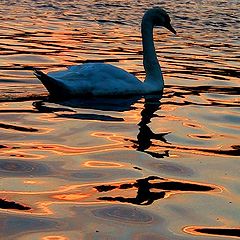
x=162 y=167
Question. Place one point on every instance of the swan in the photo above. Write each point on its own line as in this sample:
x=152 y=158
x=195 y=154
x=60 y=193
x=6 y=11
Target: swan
x=101 y=79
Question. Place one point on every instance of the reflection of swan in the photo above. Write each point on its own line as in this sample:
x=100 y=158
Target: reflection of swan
x=148 y=192
x=71 y=107
x=145 y=135
x=101 y=79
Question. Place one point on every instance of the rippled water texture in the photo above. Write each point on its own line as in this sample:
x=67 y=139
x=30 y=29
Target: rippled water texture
x=162 y=167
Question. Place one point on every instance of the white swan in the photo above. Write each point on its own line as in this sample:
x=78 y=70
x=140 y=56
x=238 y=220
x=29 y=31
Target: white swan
x=100 y=79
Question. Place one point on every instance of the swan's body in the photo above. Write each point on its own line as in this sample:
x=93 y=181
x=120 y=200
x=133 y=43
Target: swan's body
x=100 y=79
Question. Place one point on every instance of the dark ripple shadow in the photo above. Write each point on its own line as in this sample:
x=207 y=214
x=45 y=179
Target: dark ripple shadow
x=144 y=194
x=234 y=151
x=97 y=117
x=231 y=232
x=18 y=128
x=16 y=111
x=4 y=204
x=184 y=91
x=181 y=91
x=110 y=21
x=192 y=70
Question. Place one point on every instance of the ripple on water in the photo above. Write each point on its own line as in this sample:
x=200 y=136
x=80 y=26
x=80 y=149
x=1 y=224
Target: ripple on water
x=148 y=236
x=12 y=225
x=124 y=214
x=100 y=174
x=171 y=168
x=197 y=116
x=23 y=168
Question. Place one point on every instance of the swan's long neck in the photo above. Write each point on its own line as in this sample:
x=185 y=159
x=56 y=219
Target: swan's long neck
x=150 y=61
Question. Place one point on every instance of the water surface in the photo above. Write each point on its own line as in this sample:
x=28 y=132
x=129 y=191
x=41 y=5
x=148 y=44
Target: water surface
x=160 y=167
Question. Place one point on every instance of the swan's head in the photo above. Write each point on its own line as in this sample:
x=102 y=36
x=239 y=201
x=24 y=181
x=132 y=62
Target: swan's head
x=159 y=17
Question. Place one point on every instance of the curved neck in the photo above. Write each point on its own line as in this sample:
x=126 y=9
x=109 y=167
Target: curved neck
x=150 y=61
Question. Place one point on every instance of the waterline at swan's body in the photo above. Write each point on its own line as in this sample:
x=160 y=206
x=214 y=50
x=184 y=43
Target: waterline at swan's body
x=99 y=79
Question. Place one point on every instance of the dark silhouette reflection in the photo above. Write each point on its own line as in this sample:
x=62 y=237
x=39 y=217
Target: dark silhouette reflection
x=41 y=107
x=146 y=191
x=145 y=135
x=231 y=232
x=4 y=204
x=100 y=103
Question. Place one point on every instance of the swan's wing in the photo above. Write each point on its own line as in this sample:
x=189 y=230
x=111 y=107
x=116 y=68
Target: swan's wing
x=98 y=79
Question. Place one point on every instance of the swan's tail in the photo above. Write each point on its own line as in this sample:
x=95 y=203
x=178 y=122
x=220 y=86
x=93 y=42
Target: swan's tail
x=55 y=88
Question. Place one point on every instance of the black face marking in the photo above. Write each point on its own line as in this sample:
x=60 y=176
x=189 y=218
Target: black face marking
x=161 y=18
x=168 y=20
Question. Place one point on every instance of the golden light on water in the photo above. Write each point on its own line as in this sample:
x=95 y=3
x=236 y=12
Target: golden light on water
x=70 y=197
x=131 y=168
x=102 y=164
x=54 y=237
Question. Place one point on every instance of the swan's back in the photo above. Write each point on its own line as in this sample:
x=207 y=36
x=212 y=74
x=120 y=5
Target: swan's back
x=98 y=79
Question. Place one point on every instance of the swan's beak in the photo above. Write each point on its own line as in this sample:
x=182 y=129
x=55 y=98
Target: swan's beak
x=170 y=28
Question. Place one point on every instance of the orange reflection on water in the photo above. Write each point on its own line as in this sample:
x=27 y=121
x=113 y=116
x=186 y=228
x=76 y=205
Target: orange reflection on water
x=168 y=108
x=110 y=136
x=19 y=154
x=56 y=237
x=19 y=149
x=67 y=150
x=102 y=164
x=32 y=182
x=43 y=208
x=71 y=196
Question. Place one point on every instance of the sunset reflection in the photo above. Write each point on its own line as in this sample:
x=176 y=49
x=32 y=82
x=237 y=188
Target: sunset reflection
x=101 y=164
x=162 y=166
x=54 y=237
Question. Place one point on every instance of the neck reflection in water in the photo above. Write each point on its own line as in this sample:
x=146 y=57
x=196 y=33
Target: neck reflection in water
x=146 y=190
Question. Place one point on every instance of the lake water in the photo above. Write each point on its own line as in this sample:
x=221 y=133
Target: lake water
x=162 y=167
